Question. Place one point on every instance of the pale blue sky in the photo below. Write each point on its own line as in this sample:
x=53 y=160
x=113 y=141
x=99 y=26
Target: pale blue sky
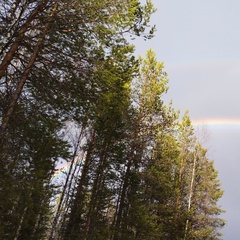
x=199 y=42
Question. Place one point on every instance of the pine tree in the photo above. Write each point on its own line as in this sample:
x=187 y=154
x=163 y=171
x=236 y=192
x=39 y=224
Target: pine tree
x=149 y=116
x=198 y=189
x=51 y=54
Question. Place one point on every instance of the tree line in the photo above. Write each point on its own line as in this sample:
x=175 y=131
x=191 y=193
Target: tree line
x=72 y=92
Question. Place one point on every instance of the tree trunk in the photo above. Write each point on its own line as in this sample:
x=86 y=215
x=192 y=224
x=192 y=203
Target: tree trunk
x=74 y=219
x=12 y=51
x=96 y=185
x=59 y=208
x=26 y=72
x=191 y=190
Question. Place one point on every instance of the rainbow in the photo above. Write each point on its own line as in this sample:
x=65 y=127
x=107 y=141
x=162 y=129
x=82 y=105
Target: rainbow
x=64 y=167
x=61 y=171
x=218 y=123
x=223 y=123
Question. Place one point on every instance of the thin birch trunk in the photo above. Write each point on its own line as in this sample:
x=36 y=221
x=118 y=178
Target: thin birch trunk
x=191 y=190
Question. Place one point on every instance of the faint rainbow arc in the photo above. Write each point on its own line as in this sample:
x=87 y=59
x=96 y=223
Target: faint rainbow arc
x=217 y=122
x=211 y=122
x=61 y=171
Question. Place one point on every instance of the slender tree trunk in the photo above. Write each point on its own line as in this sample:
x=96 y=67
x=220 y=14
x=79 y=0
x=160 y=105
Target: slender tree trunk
x=116 y=212
x=121 y=201
x=191 y=190
x=14 y=14
x=119 y=215
x=26 y=72
x=74 y=219
x=179 y=194
x=96 y=186
x=12 y=51
x=20 y=223
x=59 y=208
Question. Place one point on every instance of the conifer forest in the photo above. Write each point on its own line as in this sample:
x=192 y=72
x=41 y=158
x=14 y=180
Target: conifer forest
x=73 y=93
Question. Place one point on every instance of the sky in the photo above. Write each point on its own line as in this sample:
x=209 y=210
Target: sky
x=199 y=43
